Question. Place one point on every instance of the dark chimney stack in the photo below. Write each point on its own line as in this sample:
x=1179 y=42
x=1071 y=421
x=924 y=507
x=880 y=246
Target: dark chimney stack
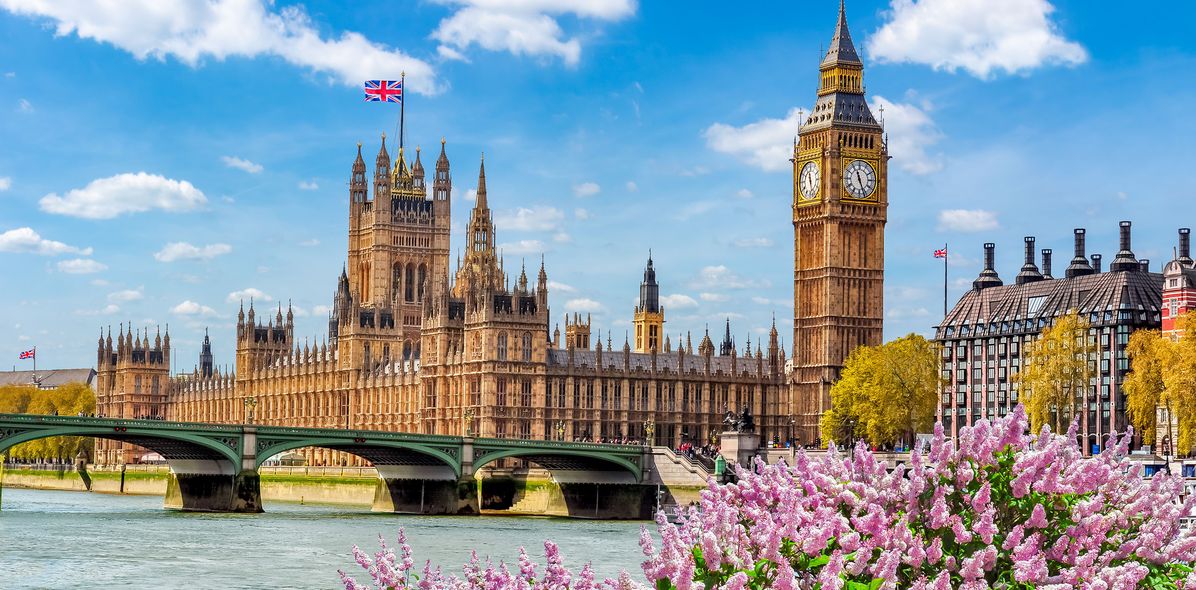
x=988 y=277
x=1144 y=264
x=1029 y=272
x=1096 y=263
x=1185 y=246
x=1125 y=256
x=1079 y=264
x=1046 y=263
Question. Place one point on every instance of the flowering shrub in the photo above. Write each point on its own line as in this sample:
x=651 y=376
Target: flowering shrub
x=1000 y=509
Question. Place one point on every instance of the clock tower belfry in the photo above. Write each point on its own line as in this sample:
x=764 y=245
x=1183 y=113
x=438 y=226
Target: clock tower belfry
x=840 y=197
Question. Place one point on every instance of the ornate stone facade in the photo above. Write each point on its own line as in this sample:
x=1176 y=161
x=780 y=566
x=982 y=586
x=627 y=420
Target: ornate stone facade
x=840 y=197
x=414 y=347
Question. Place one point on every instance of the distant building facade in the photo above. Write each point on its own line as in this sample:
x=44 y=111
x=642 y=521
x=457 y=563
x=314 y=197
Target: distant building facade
x=984 y=337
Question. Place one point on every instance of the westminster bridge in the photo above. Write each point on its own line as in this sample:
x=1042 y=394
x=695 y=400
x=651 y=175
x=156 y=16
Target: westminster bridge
x=214 y=467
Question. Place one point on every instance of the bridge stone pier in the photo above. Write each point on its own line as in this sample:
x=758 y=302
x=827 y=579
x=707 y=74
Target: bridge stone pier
x=214 y=467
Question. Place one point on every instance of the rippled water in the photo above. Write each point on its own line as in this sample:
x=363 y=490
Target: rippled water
x=51 y=539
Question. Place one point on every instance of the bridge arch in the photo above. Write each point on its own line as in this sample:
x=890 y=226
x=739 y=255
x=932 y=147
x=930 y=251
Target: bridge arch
x=560 y=461
x=382 y=454
x=174 y=446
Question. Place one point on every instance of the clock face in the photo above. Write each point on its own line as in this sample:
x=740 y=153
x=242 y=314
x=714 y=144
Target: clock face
x=809 y=179
x=859 y=179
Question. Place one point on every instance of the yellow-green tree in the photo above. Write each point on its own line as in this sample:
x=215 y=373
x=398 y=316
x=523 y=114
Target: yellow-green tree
x=1179 y=382
x=68 y=400
x=886 y=393
x=1055 y=373
x=1148 y=352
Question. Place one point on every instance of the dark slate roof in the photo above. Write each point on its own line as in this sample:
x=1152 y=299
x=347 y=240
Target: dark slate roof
x=1018 y=308
x=841 y=108
x=841 y=48
x=49 y=378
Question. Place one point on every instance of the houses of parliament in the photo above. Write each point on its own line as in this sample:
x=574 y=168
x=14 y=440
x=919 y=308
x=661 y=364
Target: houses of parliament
x=415 y=344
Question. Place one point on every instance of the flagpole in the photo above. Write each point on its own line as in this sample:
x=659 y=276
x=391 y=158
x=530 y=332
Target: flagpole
x=402 y=106
x=35 y=368
x=946 y=253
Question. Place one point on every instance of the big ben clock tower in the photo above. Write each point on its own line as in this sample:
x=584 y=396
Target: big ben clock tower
x=840 y=195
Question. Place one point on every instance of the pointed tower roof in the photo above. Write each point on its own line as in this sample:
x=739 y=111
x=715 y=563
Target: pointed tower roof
x=841 y=49
x=480 y=203
x=649 y=289
x=417 y=168
x=382 y=162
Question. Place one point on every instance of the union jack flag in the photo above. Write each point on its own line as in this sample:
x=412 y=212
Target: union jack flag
x=28 y=354
x=384 y=91
x=940 y=253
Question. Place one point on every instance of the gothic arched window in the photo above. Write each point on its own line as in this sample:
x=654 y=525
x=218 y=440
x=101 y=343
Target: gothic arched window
x=527 y=346
x=502 y=346
x=409 y=284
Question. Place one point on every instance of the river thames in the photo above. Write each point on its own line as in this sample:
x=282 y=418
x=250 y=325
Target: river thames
x=52 y=539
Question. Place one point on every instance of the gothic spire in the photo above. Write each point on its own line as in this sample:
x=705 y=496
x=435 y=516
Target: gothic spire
x=841 y=49
x=480 y=203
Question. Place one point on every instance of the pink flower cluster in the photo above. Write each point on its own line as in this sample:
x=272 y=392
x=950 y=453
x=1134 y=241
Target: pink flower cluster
x=996 y=508
x=388 y=572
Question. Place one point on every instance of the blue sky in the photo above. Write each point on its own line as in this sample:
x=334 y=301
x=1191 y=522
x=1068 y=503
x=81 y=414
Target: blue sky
x=165 y=158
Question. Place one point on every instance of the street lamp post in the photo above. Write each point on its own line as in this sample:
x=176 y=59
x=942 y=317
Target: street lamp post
x=250 y=403
x=469 y=422
x=560 y=430
x=649 y=430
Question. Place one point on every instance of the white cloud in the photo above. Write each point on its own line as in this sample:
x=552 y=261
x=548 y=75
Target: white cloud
x=126 y=295
x=99 y=283
x=321 y=310
x=752 y=243
x=309 y=243
x=743 y=193
x=581 y=214
x=911 y=132
x=308 y=185
x=562 y=237
x=193 y=32
x=5 y=183
x=24 y=106
x=967 y=220
x=250 y=293
x=715 y=297
x=695 y=171
x=561 y=287
x=81 y=266
x=241 y=164
x=766 y=144
x=522 y=247
x=720 y=277
x=586 y=189
x=632 y=186
x=536 y=218
x=584 y=304
x=471 y=194
x=109 y=309
x=522 y=27
x=191 y=308
x=24 y=240
x=184 y=251
x=678 y=301
x=979 y=36
x=105 y=198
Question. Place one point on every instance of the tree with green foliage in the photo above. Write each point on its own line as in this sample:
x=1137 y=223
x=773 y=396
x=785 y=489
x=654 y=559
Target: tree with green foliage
x=1148 y=352
x=886 y=393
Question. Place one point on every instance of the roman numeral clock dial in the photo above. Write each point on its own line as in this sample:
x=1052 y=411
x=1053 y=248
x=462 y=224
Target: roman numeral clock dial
x=808 y=182
x=859 y=179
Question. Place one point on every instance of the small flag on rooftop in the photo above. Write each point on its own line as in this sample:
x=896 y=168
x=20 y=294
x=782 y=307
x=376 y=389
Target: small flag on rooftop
x=384 y=91
x=29 y=354
x=940 y=253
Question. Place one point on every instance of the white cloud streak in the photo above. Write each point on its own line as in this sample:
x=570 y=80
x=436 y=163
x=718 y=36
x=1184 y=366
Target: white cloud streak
x=23 y=240
x=193 y=32
x=981 y=37
x=185 y=251
x=105 y=198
